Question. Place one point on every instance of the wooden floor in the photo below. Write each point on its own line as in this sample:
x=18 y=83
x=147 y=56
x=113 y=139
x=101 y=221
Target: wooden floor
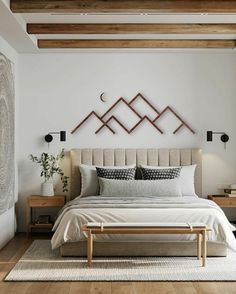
x=15 y=248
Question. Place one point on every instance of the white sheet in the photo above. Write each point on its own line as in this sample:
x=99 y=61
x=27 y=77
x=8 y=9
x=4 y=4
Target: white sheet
x=187 y=209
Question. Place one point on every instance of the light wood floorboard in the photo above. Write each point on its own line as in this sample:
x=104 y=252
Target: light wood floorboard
x=11 y=253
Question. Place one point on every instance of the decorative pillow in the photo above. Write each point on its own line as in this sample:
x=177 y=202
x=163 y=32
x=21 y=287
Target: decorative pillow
x=89 y=179
x=161 y=188
x=186 y=178
x=116 y=174
x=160 y=174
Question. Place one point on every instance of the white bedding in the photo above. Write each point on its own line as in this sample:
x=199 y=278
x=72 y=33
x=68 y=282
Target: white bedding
x=141 y=209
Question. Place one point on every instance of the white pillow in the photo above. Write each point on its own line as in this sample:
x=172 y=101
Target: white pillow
x=159 y=188
x=186 y=177
x=89 y=179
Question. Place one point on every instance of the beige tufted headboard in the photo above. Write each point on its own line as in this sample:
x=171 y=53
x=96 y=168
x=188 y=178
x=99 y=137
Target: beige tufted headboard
x=114 y=157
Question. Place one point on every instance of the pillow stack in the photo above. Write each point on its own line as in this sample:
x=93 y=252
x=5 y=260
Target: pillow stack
x=186 y=177
x=120 y=181
x=90 y=174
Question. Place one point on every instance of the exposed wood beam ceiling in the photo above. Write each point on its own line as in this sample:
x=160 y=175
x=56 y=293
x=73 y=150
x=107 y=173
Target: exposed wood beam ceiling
x=103 y=30
x=138 y=28
x=228 y=44
x=143 y=6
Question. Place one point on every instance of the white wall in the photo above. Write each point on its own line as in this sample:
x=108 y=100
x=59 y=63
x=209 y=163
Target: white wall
x=7 y=219
x=57 y=91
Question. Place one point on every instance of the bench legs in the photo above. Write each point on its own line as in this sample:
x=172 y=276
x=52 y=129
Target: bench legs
x=90 y=248
x=201 y=247
x=204 y=248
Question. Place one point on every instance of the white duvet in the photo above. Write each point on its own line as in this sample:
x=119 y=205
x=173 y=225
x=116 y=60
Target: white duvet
x=80 y=211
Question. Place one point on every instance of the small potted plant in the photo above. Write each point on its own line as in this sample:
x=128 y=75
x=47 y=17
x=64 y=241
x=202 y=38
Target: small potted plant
x=50 y=166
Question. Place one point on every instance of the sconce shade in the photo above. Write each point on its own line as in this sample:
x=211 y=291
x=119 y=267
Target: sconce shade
x=48 y=138
x=224 y=138
x=209 y=136
x=63 y=136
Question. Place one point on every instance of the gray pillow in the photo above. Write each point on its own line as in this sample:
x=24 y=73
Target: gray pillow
x=89 y=179
x=160 y=188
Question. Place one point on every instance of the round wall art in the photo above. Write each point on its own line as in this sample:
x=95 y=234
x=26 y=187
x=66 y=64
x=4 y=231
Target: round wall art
x=7 y=134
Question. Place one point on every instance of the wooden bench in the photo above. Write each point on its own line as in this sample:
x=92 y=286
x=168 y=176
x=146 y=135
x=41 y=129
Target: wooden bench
x=198 y=229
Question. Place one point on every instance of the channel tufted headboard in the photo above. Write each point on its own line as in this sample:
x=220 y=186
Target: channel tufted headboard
x=114 y=157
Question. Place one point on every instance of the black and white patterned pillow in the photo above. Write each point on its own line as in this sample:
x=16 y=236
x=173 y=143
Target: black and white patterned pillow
x=116 y=174
x=160 y=174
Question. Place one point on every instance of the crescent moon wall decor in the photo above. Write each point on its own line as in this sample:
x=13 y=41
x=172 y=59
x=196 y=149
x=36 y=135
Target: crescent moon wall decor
x=107 y=117
x=7 y=135
x=102 y=98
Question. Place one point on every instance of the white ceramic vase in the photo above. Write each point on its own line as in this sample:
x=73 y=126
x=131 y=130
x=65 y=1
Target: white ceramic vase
x=47 y=189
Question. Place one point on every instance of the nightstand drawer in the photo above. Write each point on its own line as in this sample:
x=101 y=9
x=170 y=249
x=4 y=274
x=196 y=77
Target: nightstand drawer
x=232 y=202
x=46 y=201
x=224 y=201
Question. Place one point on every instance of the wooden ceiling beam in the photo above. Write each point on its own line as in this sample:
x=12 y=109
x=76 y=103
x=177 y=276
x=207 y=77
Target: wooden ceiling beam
x=131 y=6
x=121 y=43
x=138 y=28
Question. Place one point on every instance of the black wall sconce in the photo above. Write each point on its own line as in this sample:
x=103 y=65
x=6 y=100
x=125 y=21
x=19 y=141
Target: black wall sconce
x=48 y=138
x=224 y=137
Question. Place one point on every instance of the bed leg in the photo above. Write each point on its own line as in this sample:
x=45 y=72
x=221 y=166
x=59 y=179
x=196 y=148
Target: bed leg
x=90 y=248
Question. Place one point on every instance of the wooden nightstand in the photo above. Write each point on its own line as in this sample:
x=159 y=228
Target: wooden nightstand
x=223 y=201
x=36 y=201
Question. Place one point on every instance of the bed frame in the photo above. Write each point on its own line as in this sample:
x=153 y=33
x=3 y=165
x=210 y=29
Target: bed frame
x=156 y=157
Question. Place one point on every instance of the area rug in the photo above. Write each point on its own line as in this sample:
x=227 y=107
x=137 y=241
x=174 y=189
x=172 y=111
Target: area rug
x=40 y=263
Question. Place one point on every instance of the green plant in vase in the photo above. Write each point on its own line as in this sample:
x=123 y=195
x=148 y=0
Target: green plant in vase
x=50 y=166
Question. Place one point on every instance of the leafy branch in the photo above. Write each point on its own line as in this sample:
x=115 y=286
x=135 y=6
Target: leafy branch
x=50 y=166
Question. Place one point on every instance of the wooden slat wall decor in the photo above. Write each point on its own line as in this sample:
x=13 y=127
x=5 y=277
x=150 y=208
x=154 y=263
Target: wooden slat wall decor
x=132 y=43
x=134 y=28
x=105 y=122
x=136 y=6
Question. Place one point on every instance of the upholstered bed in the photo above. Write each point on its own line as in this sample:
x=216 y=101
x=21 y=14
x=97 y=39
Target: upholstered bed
x=72 y=242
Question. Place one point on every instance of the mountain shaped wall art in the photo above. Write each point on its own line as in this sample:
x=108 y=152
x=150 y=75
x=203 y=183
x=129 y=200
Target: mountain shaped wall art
x=108 y=117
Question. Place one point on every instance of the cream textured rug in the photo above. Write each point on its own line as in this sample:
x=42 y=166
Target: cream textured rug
x=40 y=263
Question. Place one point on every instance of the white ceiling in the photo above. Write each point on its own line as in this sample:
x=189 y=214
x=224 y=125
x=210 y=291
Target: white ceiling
x=127 y=18
x=13 y=30
x=13 y=27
